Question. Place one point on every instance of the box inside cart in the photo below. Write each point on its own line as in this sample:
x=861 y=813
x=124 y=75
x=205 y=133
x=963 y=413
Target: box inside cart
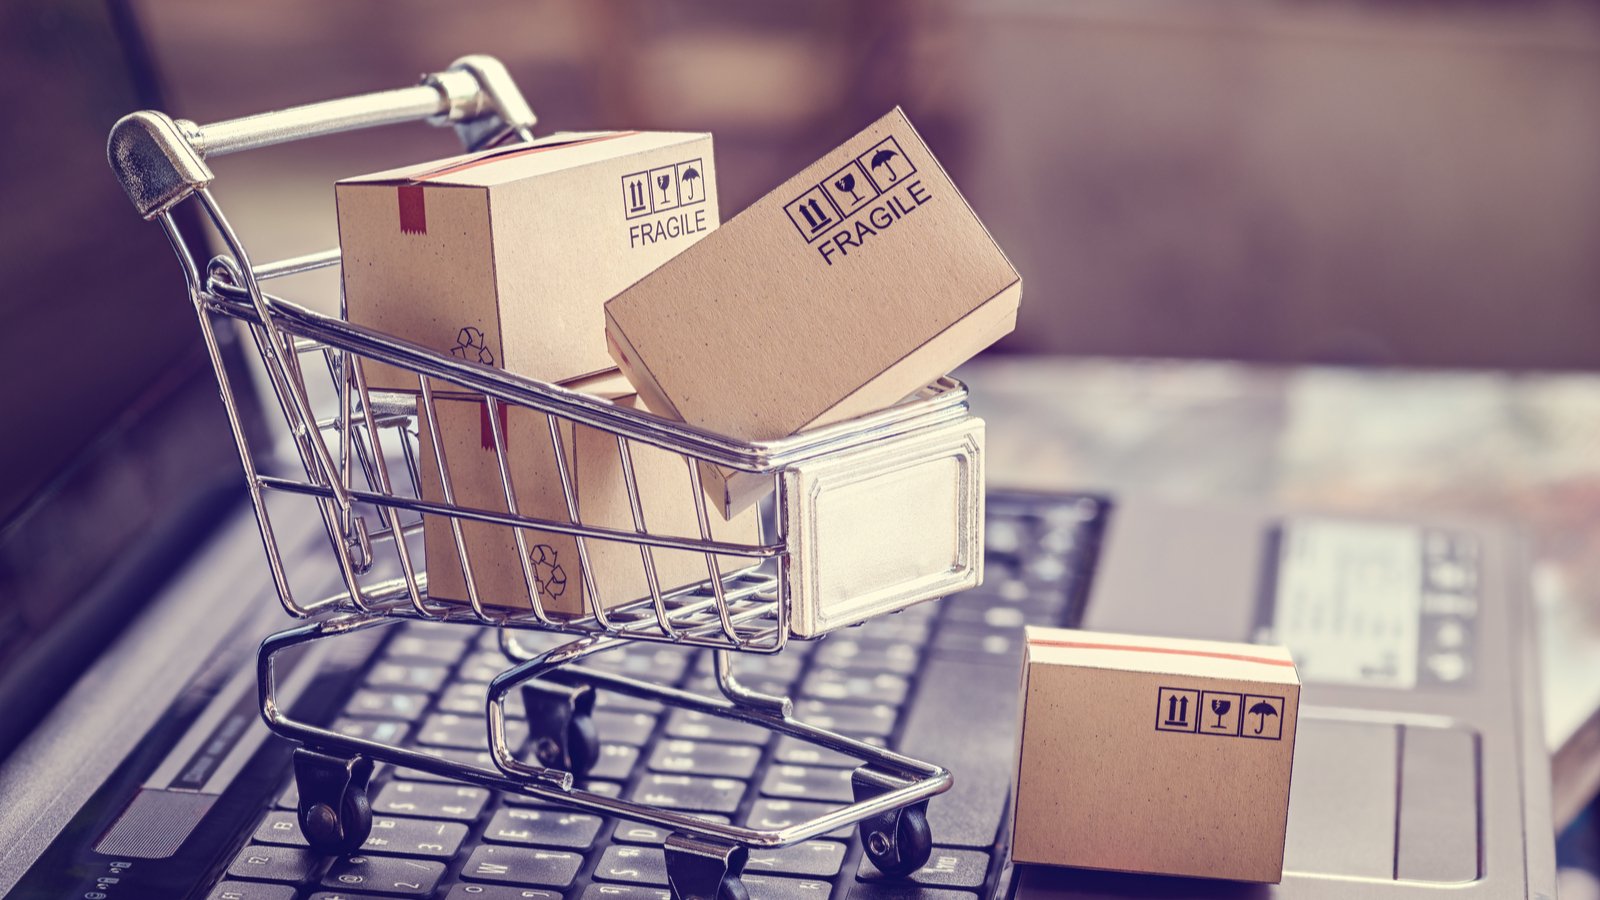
x=843 y=291
x=666 y=496
x=505 y=257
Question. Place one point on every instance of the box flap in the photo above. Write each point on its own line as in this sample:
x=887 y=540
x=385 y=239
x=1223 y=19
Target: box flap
x=1174 y=656
x=549 y=154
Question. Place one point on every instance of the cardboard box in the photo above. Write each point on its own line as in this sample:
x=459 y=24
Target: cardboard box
x=505 y=257
x=665 y=494
x=1156 y=755
x=848 y=288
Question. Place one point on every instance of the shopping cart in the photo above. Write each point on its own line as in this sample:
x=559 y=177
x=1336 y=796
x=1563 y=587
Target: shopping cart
x=358 y=458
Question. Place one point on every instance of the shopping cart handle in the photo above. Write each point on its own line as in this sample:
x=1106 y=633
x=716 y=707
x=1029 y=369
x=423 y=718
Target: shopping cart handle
x=160 y=161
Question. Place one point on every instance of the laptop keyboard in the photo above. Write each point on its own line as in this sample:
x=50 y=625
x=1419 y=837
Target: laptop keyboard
x=936 y=681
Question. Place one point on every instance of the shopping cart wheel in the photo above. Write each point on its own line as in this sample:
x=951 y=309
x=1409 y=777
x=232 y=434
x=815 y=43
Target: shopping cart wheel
x=898 y=841
x=702 y=869
x=561 y=725
x=335 y=815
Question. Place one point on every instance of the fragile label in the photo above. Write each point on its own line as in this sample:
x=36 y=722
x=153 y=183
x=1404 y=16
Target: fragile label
x=844 y=212
x=665 y=203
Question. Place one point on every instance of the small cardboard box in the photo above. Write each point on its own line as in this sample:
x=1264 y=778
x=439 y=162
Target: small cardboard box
x=1155 y=755
x=505 y=257
x=851 y=286
x=665 y=495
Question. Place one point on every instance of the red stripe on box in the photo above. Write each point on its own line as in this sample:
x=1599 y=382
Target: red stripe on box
x=1237 y=657
x=413 y=209
x=486 y=428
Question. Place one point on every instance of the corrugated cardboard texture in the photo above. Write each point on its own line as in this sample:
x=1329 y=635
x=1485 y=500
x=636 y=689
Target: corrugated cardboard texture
x=1126 y=764
x=770 y=326
x=506 y=257
x=665 y=494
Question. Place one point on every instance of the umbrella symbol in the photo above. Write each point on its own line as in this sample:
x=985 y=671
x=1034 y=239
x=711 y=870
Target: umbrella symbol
x=882 y=158
x=690 y=176
x=1263 y=709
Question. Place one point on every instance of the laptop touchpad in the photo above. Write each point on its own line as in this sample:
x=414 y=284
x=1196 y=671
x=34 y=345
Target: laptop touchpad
x=1383 y=801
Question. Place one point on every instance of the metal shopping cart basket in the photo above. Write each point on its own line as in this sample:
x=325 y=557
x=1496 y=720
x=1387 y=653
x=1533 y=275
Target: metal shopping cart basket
x=837 y=548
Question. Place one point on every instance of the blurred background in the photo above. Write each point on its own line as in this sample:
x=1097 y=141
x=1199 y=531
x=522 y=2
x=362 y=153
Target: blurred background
x=1410 y=184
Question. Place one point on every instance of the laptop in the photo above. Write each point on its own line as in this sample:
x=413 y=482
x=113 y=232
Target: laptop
x=135 y=590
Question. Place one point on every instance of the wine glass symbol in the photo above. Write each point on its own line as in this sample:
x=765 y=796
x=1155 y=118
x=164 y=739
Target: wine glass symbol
x=1221 y=707
x=847 y=182
x=663 y=181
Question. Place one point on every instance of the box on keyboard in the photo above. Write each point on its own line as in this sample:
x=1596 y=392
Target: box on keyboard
x=854 y=284
x=1143 y=754
x=505 y=257
x=666 y=500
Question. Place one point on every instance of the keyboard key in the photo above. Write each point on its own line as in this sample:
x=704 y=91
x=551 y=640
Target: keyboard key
x=260 y=862
x=804 y=783
x=404 y=706
x=769 y=887
x=384 y=731
x=414 y=837
x=850 y=719
x=794 y=751
x=467 y=733
x=651 y=835
x=698 y=726
x=818 y=859
x=470 y=699
x=856 y=687
x=280 y=827
x=624 y=892
x=408 y=676
x=690 y=792
x=425 y=650
x=869 y=655
x=543 y=828
x=704 y=758
x=770 y=815
x=624 y=727
x=893 y=890
x=459 y=803
x=522 y=865
x=1005 y=645
x=945 y=868
x=706 y=686
x=483 y=666
x=634 y=865
x=975 y=739
x=499 y=892
x=248 y=890
x=616 y=762
x=386 y=875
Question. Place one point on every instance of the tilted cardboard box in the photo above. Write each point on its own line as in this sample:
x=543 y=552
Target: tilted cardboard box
x=506 y=257
x=665 y=495
x=1141 y=754
x=848 y=288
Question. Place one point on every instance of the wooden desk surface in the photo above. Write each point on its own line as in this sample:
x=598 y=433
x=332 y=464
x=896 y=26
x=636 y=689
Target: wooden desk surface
x=1524 y=447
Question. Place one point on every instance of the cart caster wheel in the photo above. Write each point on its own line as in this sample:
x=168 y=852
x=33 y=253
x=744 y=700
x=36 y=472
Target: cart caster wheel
x=904 y=851
x=732 y=889
x=583 y=744
x=335 y=815
x=561 y=723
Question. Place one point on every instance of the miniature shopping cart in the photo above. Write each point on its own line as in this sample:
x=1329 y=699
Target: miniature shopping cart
x=865 y=517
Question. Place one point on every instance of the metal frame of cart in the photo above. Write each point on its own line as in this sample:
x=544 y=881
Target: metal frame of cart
x=357 y=458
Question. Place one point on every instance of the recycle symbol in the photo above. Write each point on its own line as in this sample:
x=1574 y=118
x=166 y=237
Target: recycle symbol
x=471 y=346
x=551 y=578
